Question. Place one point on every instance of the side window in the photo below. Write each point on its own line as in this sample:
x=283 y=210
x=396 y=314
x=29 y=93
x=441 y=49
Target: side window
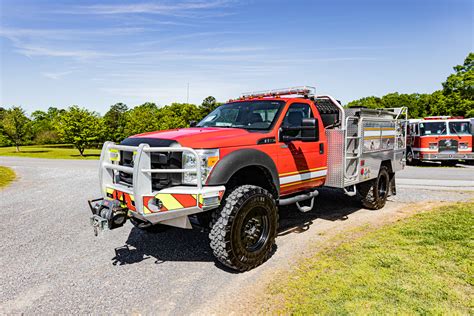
x=295 y=115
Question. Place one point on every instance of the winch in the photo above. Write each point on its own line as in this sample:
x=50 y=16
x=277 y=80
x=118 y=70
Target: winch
x=107 y=214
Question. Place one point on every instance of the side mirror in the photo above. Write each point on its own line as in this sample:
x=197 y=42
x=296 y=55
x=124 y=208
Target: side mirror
x=308 y=131
x=192 y=123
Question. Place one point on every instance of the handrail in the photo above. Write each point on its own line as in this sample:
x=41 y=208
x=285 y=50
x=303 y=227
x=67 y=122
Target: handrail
x=342 y=114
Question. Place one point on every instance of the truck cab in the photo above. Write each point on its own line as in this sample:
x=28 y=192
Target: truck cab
x=444 y=139
x=232 y=171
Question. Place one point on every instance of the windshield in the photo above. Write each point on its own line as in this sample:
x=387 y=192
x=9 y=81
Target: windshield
x=460 y=128
x=258 y=115
x=433 y=128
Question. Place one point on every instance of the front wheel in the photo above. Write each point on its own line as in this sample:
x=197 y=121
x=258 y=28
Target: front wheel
x=374 y=193
x=243 y=231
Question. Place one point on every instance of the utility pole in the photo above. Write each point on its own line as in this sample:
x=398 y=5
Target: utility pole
x=187 y=95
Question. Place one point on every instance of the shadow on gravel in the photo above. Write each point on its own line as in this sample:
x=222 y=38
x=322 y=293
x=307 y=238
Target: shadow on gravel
x=192 y=245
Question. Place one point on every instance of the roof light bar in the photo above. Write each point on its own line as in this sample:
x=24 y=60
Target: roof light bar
x=443 y=117
x=303 y=90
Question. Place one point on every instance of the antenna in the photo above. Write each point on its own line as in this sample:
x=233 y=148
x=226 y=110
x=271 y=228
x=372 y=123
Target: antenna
x=187 y=95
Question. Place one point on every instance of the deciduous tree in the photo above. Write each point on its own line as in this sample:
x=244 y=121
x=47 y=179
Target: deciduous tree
x=15 y=126
x=79 y=127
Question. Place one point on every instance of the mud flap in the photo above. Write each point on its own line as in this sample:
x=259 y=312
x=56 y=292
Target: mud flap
x=393 y=188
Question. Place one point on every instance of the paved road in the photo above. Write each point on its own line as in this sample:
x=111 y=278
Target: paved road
x=52 y=263
x=433 y=177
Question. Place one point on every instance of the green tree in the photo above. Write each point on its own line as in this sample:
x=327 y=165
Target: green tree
x=142 y=118
x=178 y=115
x=368 y=102
x=15 y=126
x=115 y=121
x=208 y=105
x=459 y=89
x=79 y=127
x=462 y=81
x=43 y=128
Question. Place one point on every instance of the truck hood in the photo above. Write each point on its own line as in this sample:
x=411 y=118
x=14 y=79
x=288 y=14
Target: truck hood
x=209 y=137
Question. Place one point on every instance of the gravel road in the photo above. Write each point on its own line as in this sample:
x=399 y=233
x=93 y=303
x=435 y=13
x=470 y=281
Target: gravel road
x=52 y=263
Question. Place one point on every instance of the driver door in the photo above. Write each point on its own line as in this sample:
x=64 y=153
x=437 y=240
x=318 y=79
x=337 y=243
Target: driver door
x=301 y=164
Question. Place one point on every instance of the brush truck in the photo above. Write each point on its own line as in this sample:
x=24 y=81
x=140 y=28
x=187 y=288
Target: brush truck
x=232 y=171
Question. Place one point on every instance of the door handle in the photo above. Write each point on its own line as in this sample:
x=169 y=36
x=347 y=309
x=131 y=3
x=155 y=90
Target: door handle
x=321 y=148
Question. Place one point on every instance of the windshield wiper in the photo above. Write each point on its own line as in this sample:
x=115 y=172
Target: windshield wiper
x=456 y=132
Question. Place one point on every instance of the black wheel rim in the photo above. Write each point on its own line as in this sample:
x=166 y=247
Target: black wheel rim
x=382 y=187
x=255 y=229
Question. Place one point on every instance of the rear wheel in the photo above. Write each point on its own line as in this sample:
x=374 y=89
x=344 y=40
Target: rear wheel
x=374 y=193
x=243 y=230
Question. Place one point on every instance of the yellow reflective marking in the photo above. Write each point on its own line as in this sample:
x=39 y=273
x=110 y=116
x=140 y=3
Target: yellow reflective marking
x=301 y=182
x=302 y=171
x=379 y=128
x=378 y=137
x=109 y=190
x=169 y=201
x=146 y=210
x=114 y=154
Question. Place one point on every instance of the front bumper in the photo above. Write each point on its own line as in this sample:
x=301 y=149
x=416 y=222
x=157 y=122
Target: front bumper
x=445 y=156
x=170 y=206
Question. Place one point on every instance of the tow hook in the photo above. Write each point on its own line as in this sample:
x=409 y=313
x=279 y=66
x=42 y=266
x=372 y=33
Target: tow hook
x=107 y=214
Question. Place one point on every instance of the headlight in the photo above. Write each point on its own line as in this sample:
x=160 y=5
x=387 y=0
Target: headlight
x=463 y=146
x=433 y=146
x=208 y=159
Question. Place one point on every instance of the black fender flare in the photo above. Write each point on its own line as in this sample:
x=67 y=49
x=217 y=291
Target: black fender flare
x=239 y=159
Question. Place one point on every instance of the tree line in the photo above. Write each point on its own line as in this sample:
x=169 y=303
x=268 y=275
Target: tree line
x=456 y=98
x=83 y=128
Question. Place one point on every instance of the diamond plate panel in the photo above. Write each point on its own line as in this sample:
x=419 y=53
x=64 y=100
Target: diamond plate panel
x=335 y=175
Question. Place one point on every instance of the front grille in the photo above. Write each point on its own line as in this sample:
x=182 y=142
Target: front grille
x=158 y=161
x=448 y=145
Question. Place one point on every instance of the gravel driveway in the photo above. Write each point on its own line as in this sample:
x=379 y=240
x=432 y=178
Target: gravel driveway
x=52 y=263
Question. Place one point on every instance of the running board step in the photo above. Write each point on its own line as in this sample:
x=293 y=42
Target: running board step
x=299 y=198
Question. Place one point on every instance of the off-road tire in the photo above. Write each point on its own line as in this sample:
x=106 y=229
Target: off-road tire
x=148 y=227
x=229 y=227
x=373 y=194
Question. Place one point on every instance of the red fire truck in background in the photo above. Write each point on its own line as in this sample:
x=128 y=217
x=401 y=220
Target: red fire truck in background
x=440 y=138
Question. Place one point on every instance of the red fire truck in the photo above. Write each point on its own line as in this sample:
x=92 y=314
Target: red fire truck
x=232 y=171
x=439 y=138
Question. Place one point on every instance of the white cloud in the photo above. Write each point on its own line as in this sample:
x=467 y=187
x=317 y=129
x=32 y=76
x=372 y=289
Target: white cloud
x=56 y=75
x=33 y=50
x=175 y=9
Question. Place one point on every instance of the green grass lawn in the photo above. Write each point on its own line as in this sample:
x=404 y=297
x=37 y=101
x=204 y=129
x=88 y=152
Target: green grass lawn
x=50 y=151
x=7 y=175
x=421 y=265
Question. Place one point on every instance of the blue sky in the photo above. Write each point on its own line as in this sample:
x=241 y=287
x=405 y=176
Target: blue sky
x=97 y=53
